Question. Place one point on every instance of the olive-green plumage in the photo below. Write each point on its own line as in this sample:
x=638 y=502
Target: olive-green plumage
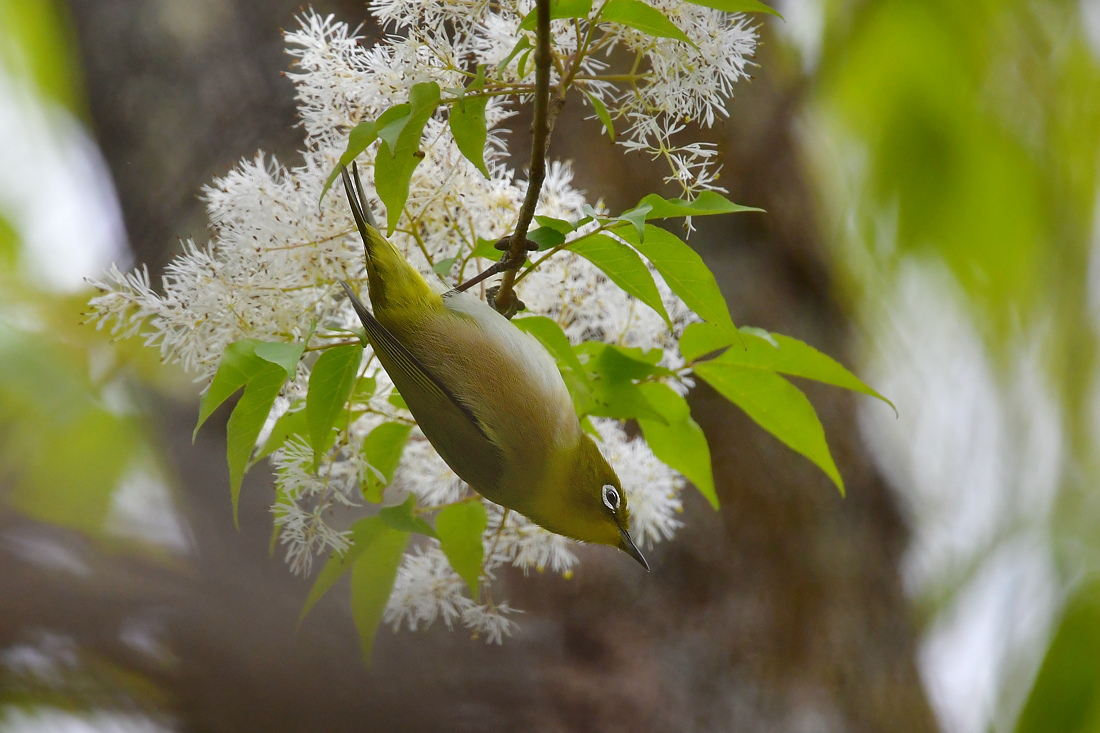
x=488 y=397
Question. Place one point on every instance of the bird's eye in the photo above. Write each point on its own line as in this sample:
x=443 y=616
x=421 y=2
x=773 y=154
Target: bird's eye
x=611 y=497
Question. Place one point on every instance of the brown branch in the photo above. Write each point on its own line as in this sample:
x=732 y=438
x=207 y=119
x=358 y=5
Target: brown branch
x=505 y=300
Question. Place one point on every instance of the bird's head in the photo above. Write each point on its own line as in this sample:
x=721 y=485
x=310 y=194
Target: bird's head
x=596 y=509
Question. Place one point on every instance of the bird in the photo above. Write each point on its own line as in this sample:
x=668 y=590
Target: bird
x=487 y=396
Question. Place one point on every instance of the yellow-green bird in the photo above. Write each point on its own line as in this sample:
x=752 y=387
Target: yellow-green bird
x=488 y=397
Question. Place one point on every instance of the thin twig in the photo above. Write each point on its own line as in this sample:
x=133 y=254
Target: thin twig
x=505 y=300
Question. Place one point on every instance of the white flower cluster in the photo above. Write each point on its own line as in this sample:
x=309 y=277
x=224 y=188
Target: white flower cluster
x=271 y=268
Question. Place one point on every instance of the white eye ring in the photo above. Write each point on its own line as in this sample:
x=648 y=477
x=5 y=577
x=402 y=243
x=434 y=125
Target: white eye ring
x=611 y=497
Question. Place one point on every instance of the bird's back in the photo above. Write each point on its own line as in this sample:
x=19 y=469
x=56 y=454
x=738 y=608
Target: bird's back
x=505 y=378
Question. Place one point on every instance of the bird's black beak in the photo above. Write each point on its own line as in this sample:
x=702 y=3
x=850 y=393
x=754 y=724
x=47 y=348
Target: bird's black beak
x=631 y=549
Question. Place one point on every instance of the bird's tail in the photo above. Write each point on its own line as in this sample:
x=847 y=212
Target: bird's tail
x=392 y=280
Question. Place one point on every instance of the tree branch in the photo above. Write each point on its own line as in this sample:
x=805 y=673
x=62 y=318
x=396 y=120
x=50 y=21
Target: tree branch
x=505 y=300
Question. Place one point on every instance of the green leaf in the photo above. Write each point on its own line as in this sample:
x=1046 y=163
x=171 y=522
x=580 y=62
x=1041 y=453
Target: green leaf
x=330 y=385
x=292 y=423
x=546 y=237
x=395 y=162
x=642 y=17
x=558 y=225
x=623 y=267
x=443 y=267
x=700 y=339
x=622 y=363
x=238 y=365
x=401 y=518
x=361 y=136
x=467 y=122
x=775 y=405
x=460 y=527
x=382 y=449
x=391 y=123
x=601 y=113
x=559 y=10
x=363 y=533
x=706 y=203
x=737 y=6
x=247 y=421
x=612 y=370
x=787 y=356
x=684 y=272
x=364 y=389
x=680 y=443
x=521 y=65
x=622 y=401
x=523 y=44
x=636 y=218
x=285 y=355
x=372 y=578
x=1065 y=696
x=549 y=333
x=397 y=400
x=486 y=249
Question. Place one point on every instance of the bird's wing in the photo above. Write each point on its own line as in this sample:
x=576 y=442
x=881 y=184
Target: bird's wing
x=451 y=426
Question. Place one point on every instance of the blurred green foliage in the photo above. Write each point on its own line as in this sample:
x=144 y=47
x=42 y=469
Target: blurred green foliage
x=968 y=134
x=68 y=435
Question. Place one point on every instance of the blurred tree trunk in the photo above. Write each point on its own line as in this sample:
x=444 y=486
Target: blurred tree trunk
x=782 y=612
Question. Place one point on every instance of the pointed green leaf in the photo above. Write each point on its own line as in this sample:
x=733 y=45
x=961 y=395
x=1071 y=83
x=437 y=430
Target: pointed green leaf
x=247 y=421
x=523 y=44
x=706 y=203
x=622 y=401
x=372 y=578
x=1065 y=696
x=365 y=388
x=401 y=518
x=521 y=65
x=238 y=365
x=363 y=533
x=623 y=267
x=700 y=339
x=549 y=333
x=361 y=136
x=636 y=218
x=330 y=385
x=775 y=405
x=285 y=355
x=684 y=272
x=642 y=17
x=443 y=267
x=382 y=449
x=546 y=238
x=559 y=10
x=602 y=113
x=392 y=122
x=681 y=443
x=558 y=225
x=622 y=363
x=292 y=423
x=486 y=249
x=395 y=162
x=459 y=527
x=467 y=122
x=737 y=6
x=787 y=356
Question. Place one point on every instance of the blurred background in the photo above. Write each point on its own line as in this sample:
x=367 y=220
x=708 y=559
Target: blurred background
x=930 y=175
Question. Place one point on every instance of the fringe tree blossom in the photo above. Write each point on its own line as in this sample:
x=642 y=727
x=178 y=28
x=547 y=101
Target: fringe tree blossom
x=271 y=268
